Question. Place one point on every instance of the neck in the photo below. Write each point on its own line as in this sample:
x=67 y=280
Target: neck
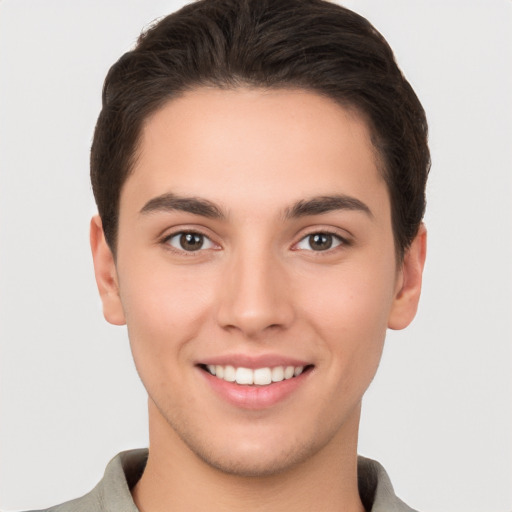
x=175 y=478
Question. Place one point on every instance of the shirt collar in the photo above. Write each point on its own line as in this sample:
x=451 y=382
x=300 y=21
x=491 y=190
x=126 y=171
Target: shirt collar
x=125 y=469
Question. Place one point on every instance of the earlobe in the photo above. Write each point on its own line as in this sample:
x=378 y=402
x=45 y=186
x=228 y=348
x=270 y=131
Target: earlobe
x=106 y=275
x=408 y=291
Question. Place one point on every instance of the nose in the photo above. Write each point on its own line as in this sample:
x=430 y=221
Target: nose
x=255 y=297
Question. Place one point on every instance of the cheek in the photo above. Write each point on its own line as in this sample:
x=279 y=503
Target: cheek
x=349 y=310
x=352 y=297
x=164 y=307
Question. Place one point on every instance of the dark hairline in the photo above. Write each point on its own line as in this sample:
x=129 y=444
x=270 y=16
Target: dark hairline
x=301 y=44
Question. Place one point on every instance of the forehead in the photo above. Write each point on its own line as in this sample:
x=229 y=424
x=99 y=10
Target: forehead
x=239 y=146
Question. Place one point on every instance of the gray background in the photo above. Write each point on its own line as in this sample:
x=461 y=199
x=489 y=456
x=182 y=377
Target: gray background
x=438 y=415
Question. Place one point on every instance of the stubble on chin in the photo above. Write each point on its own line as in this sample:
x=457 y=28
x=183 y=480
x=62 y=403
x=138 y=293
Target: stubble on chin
x=245 y=459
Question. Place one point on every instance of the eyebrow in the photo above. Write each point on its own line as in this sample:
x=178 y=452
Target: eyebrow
x=303 y=208
x=324 y=204
x=172 y=202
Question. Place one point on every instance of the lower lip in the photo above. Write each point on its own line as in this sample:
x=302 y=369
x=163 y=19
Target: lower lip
x=255 y=397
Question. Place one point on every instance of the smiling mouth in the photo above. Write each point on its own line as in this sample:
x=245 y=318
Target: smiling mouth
x=255 y=377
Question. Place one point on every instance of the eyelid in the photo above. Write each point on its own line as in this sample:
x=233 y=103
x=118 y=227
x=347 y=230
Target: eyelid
x=179 y=234
x=181 y=230
x=344 y=240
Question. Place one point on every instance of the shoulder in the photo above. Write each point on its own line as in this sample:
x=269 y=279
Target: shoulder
x=88 y=503
x=375 y=488
x=112 y=493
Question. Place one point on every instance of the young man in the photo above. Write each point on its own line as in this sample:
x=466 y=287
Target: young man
x=259 y=169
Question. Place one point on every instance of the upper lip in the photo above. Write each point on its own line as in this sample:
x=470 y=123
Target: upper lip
x=253 y=362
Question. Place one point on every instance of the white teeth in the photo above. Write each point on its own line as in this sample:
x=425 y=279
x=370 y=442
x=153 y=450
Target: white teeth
x=262 y=376
x=288 y=372
x=298 y=370
x=244 y=376
x=277 y=374
x=229 y=373
x=259 y=376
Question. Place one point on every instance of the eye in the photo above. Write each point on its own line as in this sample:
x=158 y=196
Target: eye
x=189 y=241
x=320 y=242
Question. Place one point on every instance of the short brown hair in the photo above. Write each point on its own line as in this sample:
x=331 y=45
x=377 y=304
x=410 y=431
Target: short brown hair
x=309 y=44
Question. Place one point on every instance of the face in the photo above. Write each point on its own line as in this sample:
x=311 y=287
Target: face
x=256 y=273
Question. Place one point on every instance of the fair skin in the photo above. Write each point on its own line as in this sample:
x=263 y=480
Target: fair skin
x=255 y=232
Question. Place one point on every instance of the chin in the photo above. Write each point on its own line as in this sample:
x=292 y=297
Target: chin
x=256 y=462
x=261 y=453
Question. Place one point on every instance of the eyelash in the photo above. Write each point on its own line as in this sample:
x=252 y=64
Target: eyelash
x=205 y=239
x=338 y=240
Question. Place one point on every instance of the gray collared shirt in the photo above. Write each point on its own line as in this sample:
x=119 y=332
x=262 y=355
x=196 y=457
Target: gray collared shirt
x=112 y=494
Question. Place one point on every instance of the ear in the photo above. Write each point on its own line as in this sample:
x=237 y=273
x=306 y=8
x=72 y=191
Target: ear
x=106 y=274
x=408 y=290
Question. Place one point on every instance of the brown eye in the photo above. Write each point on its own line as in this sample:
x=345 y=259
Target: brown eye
x=319 y=242
x=189 y=241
